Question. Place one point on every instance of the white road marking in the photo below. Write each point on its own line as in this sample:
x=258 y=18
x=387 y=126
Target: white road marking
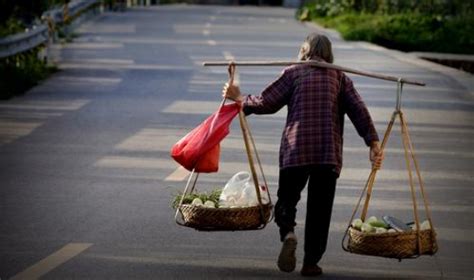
x=17 y=115
x=52 y=261
x=109 y=28
x=91 y=46
x=46 y=105
x=12 y=130
x=133 y=162
x=211 y=42
x=180 y=174
x=413 y=116
x=80 y=65
x=112 y=61
x=145 y=140
x=95 y=80
x=348 y=174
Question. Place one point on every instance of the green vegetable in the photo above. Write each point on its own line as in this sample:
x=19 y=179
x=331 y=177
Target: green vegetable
x=210 y=204
x=367 y=227
x=197 y=201
x=371 y=219
x=189 y=198
x=379 y=224
x=357 y=223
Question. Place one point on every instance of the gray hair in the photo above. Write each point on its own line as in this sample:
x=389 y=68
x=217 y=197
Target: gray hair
x=316 y=46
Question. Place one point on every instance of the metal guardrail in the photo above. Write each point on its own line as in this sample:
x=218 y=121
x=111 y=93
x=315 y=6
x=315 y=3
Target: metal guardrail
x=74 y=8
x=21 y=42
x=40 y=35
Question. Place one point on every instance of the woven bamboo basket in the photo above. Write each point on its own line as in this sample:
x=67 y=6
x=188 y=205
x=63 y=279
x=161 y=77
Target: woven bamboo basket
x=399 y=245
x=225 y=219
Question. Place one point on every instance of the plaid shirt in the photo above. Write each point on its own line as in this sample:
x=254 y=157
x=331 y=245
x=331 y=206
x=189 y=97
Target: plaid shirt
x=314 y=127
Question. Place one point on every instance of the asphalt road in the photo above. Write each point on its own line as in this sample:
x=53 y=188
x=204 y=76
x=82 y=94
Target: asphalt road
x=86 y=178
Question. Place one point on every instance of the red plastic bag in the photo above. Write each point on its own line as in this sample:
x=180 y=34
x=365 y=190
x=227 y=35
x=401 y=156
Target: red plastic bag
x=200 y=149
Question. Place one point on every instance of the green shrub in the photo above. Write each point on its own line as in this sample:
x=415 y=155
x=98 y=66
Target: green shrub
x=324 y=8
x=408 y=31
x=21 y=72
x=11 y=26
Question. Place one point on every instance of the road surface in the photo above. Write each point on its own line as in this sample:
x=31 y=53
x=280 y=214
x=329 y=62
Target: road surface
x=87 y=181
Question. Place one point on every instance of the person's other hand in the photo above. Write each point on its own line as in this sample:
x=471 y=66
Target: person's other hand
x=232 y=92
x=376 y=155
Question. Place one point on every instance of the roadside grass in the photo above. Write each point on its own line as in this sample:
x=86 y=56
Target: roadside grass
x=404 y=31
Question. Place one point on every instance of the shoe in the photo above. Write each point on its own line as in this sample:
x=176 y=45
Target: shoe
x=287 y=257
x=311 y=270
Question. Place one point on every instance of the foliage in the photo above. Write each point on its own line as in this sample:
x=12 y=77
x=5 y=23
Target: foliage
x=25 y=10
x=11 y=26
x=403 y=25
x=21 y=72
x=429 y=7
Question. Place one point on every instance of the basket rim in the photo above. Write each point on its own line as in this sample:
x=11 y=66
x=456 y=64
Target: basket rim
x=225 y=209
x=354 y=230
x=187 y=210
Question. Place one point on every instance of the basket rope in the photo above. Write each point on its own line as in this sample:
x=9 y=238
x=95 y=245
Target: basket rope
x=408 y=152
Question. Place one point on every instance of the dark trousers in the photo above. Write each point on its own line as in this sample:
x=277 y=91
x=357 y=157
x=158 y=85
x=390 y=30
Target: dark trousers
x=321 y=189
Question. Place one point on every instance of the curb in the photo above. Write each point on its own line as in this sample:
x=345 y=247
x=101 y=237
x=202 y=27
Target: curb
x=465 y=79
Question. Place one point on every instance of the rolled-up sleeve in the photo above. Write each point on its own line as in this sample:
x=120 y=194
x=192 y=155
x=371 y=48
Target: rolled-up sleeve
x=358 y=113
x=272 y=98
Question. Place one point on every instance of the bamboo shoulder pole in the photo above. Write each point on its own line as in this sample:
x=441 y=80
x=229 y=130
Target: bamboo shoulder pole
x=318 y=64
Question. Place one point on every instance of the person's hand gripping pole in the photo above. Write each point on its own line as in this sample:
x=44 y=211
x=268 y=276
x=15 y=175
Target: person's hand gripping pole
x=376 y=155
x=230 y=90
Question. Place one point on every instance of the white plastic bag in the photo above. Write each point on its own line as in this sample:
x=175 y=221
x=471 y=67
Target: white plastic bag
x=232 y=192
x=240 y=192
x=249 y=195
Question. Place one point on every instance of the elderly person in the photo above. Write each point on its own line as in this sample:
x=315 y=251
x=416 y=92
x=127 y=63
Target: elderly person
x=311 y=146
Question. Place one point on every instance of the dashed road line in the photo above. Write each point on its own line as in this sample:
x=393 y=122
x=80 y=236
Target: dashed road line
x=52 y=261
x=180 y=174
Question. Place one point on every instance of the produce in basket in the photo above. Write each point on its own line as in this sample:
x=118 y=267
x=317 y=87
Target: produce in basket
x=210 y=204
x=371 y=225
x=357 y=224
x=198 y=199
x=377 y=226
x=367 y=228
x=371 y=219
